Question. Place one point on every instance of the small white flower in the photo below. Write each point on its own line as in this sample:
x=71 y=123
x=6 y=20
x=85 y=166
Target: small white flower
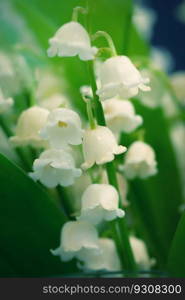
x=55 y=167
x=120 y=115
x=140 y=253
x=178 y=81
x=104 y=258
x=99 y=146
x=140 y=161
x=63 y=127
x=5 y=104
x=119 y=77
x=100 y=202
x=76 y=236
x=72 y=39
x=29 y=124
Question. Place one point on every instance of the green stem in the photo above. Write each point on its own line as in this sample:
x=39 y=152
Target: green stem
x=76 y=11
x=119 y=226
x=64 y=202
x=90 y=114
x=108 y=39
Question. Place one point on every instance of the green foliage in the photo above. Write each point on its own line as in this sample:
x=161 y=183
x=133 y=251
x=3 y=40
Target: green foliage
x=30 y=224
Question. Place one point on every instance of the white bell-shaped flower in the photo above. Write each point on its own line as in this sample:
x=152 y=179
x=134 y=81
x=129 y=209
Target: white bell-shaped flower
x=99 y=146
x=72 y=39
x=140 y=253
x=100 y=202
x=29 y=124
x=5 y=104
x=76 y=236
x=120 y=115
x=119 y=77
x=63 y=127
x=55 y=167
x=140 y=161
x=104 y=258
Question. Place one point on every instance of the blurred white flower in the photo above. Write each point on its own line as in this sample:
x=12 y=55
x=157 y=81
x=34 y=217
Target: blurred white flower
x=104 y=258
x=76 y=236
x=178 y=82
x=55 y=167
x=63 y=127
x=144 y=19
x=162 y=59
x=54 y=101
x=5 y=104
x=140 y=161
x=86 y=91
x=29 y=124
x=72 y=39
x=100 y=202
x=140 y=253
x=99 y=146
x=120 y=115
x=119 y=77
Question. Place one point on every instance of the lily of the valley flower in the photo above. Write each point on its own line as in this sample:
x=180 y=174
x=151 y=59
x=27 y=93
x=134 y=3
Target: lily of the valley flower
x=76 y=236
x=72 y=39
x=104 y=258
x=63 y=127
x=120 y=115
x=100 y=202
x=55 y=167
x=29 y=124
x=5 y=104
x=140 y=161
x=99 y=146
x=140 y=253
x=119 y=77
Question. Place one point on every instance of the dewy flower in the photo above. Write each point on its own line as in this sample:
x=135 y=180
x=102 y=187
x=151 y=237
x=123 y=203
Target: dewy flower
x=55 y=167
x=5 y=104
x=119 y=77
x=105 y=258
x=140 y=253
x=76 y=236
x=29 y=124
x=100 y=202
x=70 y=40
x=99 y=146
x=63 y=127
x=140 y=161
x=120 y=115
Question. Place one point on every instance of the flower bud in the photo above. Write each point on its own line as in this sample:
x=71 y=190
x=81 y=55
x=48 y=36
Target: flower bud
x=76 y=236
x=99 y=146
x=104 y=258
x=100 y=202
x=119 y=77
x=140 y=253
x=72 y=39
x=120 y=115
x=29 y=124
x=140 y=161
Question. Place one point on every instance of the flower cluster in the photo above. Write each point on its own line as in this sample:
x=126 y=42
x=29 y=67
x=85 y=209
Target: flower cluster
x=60 y=134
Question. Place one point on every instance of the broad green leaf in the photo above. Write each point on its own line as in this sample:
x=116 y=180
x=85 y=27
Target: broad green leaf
x=30 y=224
x=176 y=261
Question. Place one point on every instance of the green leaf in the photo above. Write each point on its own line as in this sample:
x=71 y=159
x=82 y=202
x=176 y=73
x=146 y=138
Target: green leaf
x=30 y=224
x=176 y=261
